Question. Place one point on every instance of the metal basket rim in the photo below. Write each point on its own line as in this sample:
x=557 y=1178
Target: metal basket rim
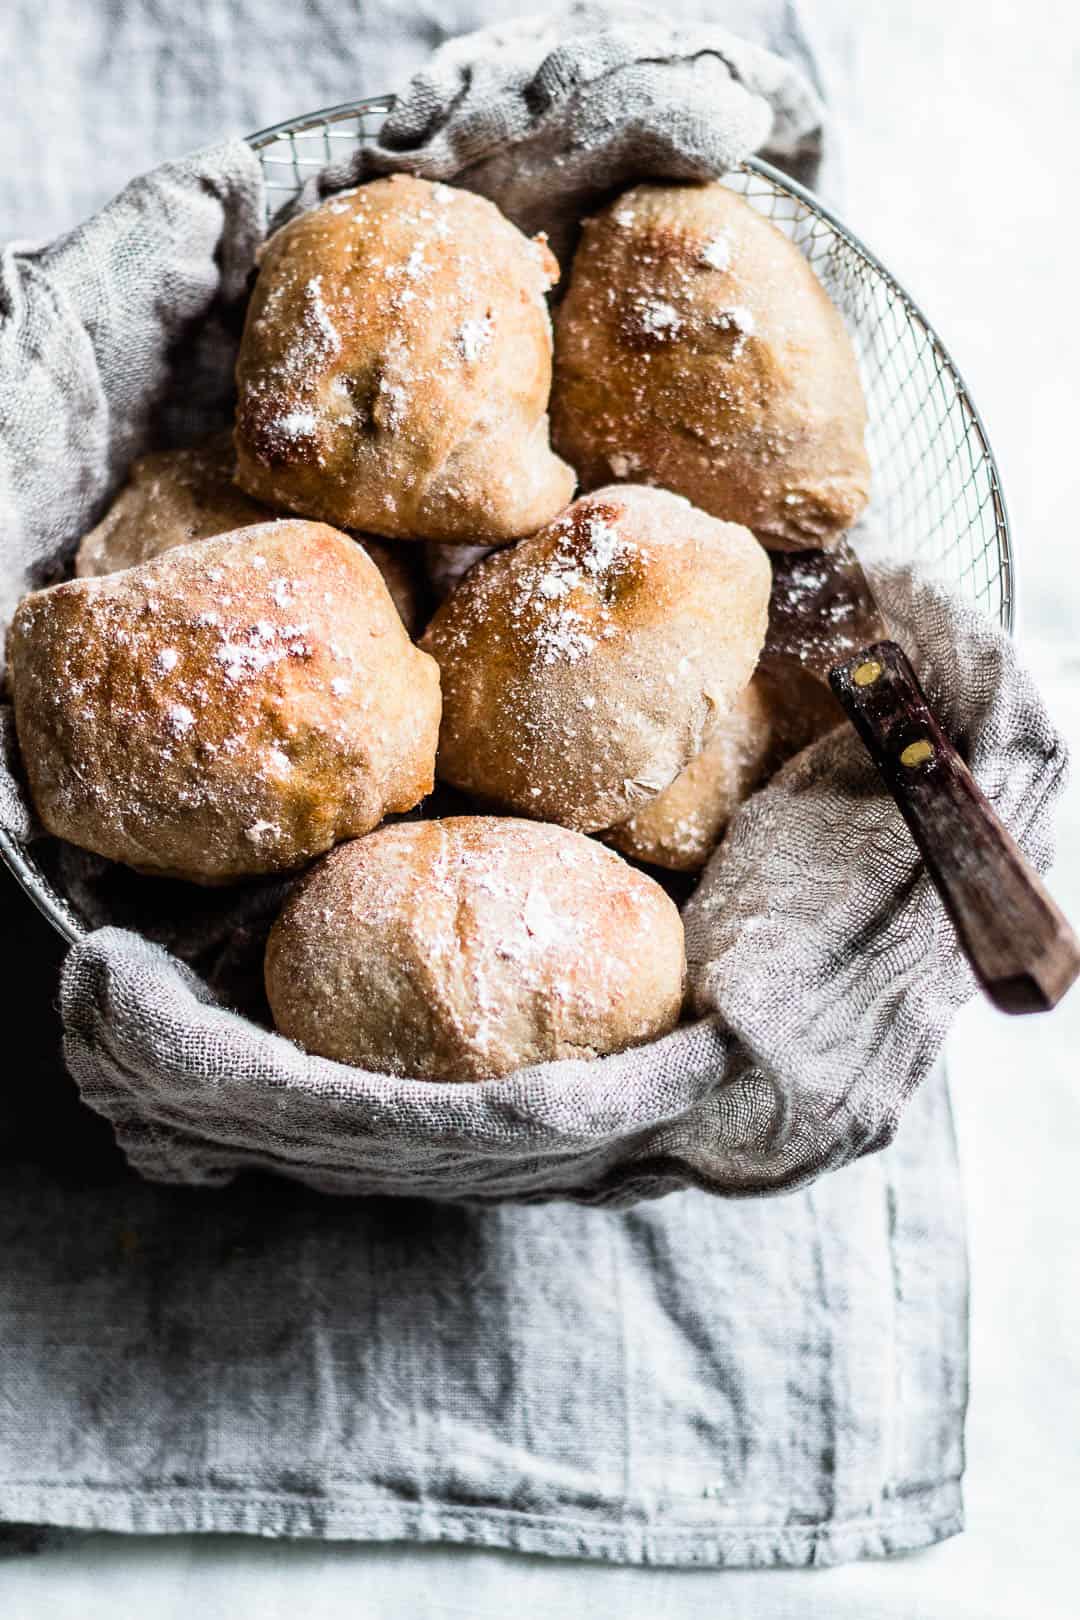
x=56 y=909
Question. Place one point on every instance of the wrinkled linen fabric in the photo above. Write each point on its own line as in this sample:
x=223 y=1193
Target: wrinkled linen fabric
x=769 y=1088
x=547 y=115
x=693 y=1381
x=113 y=339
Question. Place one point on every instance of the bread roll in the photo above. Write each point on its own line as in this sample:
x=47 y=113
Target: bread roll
x=776 y=716
x=173 y=497
x=233 y=707
x=681 y=826
x=396 y=365
x=696 y=349
x=467 y=948
x=583 y=668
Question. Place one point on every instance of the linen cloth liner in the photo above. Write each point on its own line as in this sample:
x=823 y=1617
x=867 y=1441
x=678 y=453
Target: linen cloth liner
x=693 y=1382
x=776 y=1381
x=819 y=956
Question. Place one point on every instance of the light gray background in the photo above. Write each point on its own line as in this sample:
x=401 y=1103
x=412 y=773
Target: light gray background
x=962 y=170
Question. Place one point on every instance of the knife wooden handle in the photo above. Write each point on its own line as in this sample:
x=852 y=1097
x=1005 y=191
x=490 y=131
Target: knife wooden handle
x=1022 y=949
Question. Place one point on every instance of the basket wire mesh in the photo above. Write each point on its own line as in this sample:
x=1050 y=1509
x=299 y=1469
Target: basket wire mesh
x=937 y=500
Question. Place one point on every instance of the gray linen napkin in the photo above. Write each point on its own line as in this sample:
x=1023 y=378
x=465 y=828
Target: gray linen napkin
x=114 y=338
x=547 y=114
x=774 y=1381
x=694 y=1381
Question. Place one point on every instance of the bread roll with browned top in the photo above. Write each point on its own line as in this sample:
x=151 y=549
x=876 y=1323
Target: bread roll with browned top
x=233 y=707
x=395 y=368
x=696 y=349
x=776 y=716
x=173 y=497
x=468 y=948
x=584 y=667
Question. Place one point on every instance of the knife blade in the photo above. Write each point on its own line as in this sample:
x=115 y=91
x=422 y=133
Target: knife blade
x=821 y=610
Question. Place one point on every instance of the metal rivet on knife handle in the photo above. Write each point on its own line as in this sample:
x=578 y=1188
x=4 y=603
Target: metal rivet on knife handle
x=866 y=674
x=917 y=753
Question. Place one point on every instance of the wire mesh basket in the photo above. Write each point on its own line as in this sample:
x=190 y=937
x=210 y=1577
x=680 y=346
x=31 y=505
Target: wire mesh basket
x=937 y=499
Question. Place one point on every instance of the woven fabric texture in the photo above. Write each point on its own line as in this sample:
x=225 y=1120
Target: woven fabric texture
x=822 y=969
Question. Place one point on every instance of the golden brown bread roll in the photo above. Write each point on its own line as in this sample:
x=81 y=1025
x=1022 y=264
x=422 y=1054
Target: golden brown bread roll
x=233 y=707
x=696 y=349
x=583 y=667
x=779 y=713
x=679 y=828
x=396 y=365
x=467 y=948
x=173 y=497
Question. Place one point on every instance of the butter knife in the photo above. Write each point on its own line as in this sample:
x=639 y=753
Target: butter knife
x=823 y=617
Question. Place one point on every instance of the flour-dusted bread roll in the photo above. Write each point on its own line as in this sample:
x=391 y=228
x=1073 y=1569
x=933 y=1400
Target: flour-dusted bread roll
x=773 y=718
x=584 y=667
x=173 y=497
x=696 y=349
x=234 y=707
x=395 y=368
x=681 y=826
x=467 y=948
